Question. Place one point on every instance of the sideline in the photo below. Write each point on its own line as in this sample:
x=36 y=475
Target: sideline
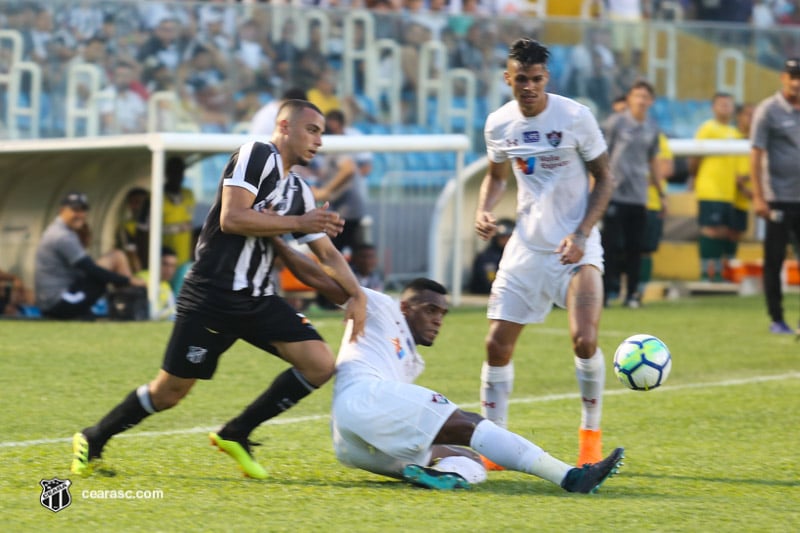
x=472 y=405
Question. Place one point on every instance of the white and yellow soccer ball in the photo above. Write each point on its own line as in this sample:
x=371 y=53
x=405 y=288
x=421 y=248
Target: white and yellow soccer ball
x=642 y=362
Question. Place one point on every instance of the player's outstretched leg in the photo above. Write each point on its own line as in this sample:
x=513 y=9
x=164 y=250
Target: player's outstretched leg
x=588 y=478
x=87 y=445
x=431 y=478
x=240 y=452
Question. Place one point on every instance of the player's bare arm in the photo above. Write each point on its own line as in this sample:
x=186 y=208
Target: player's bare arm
x=345 y=172
x=492 y=188
x=572 y=247
x=336 y=267
x=309 y=271
x=237 y=216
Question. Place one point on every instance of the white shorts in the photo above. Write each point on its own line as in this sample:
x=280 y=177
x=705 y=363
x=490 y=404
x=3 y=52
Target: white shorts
x=382 y=426
x=528 y=283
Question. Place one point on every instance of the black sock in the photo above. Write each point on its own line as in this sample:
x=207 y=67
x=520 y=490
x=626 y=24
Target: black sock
x=124 y=416
x=288 y=388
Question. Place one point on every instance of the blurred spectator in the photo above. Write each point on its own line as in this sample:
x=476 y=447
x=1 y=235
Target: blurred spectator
x=323 y=94
x=253 y=62
x=286 y=53
x=632 y=137
x=627 y=33
x=179 y=205
x=208 y=93
x=68 y=282
x=471 y=52
x=312 y=61
x=342 y=185
x=123 y=109
x=263 y=122
x=83 y=19
x=166 y=307
x=163 y=46
x=485 y=264
x=715 y=186
x=743 y=116
x=591 y=69
x=132 y=229
x=364 y=262
x=15 y=296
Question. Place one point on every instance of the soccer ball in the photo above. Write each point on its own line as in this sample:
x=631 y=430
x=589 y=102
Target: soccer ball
x=642 y=362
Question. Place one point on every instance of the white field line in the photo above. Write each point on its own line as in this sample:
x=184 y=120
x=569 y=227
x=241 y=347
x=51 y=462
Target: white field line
x=533 y=399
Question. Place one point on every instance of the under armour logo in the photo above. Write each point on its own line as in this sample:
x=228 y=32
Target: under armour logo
x=490 y=405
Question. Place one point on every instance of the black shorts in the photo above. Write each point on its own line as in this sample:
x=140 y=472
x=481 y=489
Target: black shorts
x=210 y=320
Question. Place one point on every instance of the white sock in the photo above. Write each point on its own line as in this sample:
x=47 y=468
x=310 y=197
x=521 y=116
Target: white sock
x=512 y=452
x=497 y=382
x=591 y=374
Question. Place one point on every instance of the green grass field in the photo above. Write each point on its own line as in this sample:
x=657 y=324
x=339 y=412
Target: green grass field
x=715 y=449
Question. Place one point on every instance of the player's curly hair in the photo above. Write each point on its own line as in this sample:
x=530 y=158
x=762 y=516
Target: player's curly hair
x=529 y=52
x=418 y=285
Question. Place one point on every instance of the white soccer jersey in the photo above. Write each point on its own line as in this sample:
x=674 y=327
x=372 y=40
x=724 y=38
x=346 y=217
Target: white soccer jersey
x=386 y=351
x=547 y=154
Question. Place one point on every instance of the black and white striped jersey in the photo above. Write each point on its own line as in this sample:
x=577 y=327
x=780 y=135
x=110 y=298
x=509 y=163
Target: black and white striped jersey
x=239 y=263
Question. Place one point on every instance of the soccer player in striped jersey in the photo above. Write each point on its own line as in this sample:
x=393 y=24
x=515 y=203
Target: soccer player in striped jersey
x=228 y=294
x=554 y=256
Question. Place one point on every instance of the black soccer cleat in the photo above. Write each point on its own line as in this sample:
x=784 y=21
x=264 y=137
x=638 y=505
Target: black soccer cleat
x=430 y=478
x=588 y=478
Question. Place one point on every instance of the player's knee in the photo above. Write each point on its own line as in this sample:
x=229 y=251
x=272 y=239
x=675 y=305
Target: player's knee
x=320 y=372
x=165 y=396
x=498 y=353
x=584 y=345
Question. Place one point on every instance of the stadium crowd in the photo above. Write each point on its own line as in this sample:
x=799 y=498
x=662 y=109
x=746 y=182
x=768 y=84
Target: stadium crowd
x=221 y=60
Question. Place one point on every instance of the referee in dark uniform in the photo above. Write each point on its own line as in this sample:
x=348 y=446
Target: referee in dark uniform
x=228 y=294
x=774 y=160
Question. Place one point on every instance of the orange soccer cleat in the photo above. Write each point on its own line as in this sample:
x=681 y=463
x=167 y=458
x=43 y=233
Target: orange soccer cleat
x=488 y=464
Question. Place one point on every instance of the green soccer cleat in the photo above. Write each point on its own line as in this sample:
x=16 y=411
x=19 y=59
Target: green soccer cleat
x=431 y=478
x=240 y=451
x=81 y=460
x=588 y=478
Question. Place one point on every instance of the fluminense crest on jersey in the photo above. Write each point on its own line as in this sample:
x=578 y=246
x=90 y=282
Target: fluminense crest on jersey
x=554 y=138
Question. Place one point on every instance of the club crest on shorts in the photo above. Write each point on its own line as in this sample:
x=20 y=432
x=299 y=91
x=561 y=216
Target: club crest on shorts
x=554 y=138
x=55 y=494
x=196 y=354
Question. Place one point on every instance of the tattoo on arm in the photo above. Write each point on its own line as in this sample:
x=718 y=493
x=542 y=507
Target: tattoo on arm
x=601 y=192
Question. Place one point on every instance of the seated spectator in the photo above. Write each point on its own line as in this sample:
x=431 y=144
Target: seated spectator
x=166 y=298
x=68 y=281
x=14 y=295
x=484 y=267
x=123 y=109
x=364 y=263
x=132 y=230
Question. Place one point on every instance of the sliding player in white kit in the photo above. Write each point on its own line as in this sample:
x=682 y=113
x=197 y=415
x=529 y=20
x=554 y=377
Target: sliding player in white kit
x=385 y=424
x=554 y=255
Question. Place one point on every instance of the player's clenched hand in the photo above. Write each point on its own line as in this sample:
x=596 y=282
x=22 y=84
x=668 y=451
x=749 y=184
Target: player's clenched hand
x=485 y=225
x=572 y=248
x=356 y=310
x=320 y=220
